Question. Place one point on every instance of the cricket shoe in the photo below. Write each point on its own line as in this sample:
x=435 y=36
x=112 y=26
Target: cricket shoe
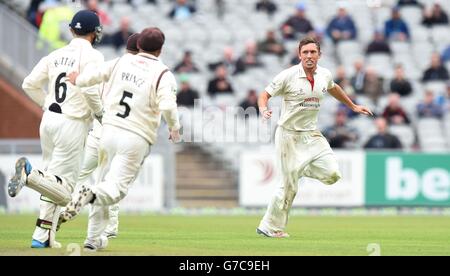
x=74 y=207
x=39 y=245
x=19 y=179
x=93 y=246
x=270 y=234
x=110 y=235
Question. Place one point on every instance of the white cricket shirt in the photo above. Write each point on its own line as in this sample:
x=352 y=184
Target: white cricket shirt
x=301 y=103
x=132 y=101
x=52 y=71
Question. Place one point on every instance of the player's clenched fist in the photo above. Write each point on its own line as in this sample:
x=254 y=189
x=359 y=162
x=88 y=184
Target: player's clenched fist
x=267 y=114
x=72 y=77
x=175 y=136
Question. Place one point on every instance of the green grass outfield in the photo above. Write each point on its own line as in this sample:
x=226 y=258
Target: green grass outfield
x=235 y=235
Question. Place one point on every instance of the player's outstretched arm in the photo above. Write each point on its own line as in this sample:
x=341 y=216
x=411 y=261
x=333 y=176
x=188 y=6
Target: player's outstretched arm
x=92 y=74
x=262 y=104
x=341 y=96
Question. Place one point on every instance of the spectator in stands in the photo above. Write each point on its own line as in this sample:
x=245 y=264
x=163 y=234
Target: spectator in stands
x=446 y=54
x=444 y=100
x=119 y=38
x=228 y=61
x=340 y=135
x=220 y=8
x=341 y=27
x=271 y=45
x=399 y=84
x=394 y=113
x=429 y=108
x=436 y=72
x=182 y=10
x=186 y=65
x=220 y=84
x=250 y=59
x=251 y=101
x=434 y=16
x=404 y=3
x=297 y=25
x=33 y=13
x=186 y=96
x=357 y=80
x=93 y=6
x=55 y=16
x=294 y=59
x=373 y=85
x=396 y=28
x=378 y=45
x=266 y=6
x=340 y=75
x=383 y=139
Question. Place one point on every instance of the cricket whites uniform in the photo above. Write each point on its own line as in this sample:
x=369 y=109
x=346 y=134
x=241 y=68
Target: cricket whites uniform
x=68 y=113
x=141 y=90
x=301 y=148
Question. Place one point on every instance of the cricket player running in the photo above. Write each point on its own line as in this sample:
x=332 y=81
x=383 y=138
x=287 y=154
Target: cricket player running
x=90 y=161
x=141 y=90
x=301 y=148
x=67 y=117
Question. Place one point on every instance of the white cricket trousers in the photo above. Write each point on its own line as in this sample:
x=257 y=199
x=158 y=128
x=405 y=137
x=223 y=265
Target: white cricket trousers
x=90 y=163
x=121 y=154
x=62 y=143
x=298 y=154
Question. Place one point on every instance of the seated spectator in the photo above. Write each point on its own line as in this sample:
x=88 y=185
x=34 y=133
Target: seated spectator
x=436 y=72
x=340 y=135
x=119 y=38
x=444 y=100
x=220 y=8
x=429 y=108
x=297 y=25
x=250 y=101
x=250 y=59
x=357 y=81
x=271 y=45
x=182 y=10
x=399 y=84
x=341 y=27
x=294 y=59
x=434 y=16
x=373 y=85
x=228 y=61
x=404 y=3
x=103 y=16
x=383 y=139
x=340 y=75
x=266 y=6
x=446 y=54
x=186 y=65
x=220 y=84
x=394 y=113
x=186 y=96
x=396 y=28
x=378 y=45
x=33 y=12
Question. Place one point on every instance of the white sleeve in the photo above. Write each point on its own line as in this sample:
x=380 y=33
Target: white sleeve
x=96 y=73
x=276 y=87
x=330 y=81
x=34 y=83
x=91 y=92
x=167 y=100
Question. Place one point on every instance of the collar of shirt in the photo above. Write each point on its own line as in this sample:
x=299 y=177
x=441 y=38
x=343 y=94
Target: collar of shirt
x=80 y=41
x=150 y=56
x=302 y=73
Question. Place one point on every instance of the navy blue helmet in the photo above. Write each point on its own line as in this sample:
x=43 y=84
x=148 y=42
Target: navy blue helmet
x=85 y=22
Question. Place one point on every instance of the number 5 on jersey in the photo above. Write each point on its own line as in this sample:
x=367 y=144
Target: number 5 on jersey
x=126 y=94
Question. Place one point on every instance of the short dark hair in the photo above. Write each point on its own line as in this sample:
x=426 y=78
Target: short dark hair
x=308 y=40
x=132 y=42
x=151 y=40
